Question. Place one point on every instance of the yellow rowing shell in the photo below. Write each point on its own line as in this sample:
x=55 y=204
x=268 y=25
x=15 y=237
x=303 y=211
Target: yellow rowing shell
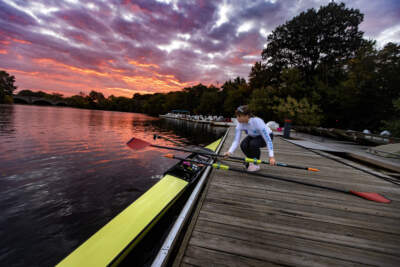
x=110 y=245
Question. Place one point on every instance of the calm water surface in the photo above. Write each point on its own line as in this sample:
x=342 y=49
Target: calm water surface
x=64 y=173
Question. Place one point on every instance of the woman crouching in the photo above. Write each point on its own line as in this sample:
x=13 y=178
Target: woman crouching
x=258 y=135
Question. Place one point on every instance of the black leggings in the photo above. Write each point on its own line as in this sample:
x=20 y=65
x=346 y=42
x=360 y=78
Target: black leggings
x=251 y=146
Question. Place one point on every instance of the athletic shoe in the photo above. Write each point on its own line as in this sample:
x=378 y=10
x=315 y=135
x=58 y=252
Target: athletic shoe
x=253 y=167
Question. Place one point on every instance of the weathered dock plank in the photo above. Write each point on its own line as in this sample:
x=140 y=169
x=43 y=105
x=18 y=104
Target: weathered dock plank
x=245 y=220
x=199 y=256
x=269 y=239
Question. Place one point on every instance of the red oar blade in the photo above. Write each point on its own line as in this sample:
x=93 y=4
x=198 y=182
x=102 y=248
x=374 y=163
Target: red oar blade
x=137 y=144
x=371 y=196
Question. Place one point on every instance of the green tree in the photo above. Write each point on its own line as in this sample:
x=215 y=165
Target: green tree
x=393 y=125
x=358 y=92
x=237 y=97
x=261 y=76
x=234 y=93
x=56 y=97
x=192 y=96
x=26 y=93
x=176 y=100
x=371 y=85
x=139 y=101
x=7 y=87
x=118 y=103
x=328 y=36
x=293 y=84
x=300 y=112
x=388 y=68
x=209 y=102
x=78 y=101
x=262 y=101
x=155 y=105
x=96 y=99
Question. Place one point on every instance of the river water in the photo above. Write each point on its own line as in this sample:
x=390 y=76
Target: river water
x=65 y=172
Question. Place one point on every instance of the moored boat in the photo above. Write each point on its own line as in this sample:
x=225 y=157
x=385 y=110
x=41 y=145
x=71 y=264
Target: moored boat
x=223 y=123
x=114 y=241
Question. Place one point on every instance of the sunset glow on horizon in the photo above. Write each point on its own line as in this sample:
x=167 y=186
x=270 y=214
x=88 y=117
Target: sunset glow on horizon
x=124 y=47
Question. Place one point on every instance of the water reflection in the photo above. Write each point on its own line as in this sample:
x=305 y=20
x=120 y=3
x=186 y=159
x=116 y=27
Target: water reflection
x=189 y=132
x=6 y=120
x=66 y=172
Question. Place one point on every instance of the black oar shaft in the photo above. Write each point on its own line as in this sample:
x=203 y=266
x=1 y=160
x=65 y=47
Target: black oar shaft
x=278 y=163
x=187 y=150
x=225 y=167
x=236 y=158
x=155 y=136
x=292 y=166
x=285 y=179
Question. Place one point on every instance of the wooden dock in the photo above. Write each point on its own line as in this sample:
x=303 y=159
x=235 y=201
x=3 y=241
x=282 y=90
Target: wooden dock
x=245 y=220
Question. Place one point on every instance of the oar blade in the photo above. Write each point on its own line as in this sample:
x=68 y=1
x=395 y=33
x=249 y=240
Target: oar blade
x=371 y=196
x=137 y=144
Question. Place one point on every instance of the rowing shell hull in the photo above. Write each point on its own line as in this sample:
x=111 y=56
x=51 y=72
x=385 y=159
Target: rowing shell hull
x=110 y=245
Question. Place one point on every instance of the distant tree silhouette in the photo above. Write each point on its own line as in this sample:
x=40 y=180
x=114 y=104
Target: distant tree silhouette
x=7 y=87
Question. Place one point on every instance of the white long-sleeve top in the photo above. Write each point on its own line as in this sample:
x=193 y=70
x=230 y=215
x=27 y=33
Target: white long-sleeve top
x=254 y=127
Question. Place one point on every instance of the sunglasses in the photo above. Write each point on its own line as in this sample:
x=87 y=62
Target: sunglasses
x=240 y=109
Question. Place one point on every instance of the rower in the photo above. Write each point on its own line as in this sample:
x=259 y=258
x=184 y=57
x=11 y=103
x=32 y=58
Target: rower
x=258 y=135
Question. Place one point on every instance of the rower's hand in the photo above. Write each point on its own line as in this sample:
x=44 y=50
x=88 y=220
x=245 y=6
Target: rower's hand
x=272 y=161
x=227 y=154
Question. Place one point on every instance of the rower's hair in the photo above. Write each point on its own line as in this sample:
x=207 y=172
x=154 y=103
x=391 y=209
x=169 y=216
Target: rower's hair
x=243 y=110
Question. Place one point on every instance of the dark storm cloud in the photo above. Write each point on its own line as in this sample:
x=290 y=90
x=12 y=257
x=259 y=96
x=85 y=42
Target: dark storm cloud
x=15 y=16
x=82 y=20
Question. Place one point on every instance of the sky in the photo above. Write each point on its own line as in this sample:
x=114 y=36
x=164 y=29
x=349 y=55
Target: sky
x=123 y=47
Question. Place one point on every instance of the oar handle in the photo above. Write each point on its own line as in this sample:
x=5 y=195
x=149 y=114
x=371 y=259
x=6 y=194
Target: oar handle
x=186 y=150
x=297 y=167
x=258 y=161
